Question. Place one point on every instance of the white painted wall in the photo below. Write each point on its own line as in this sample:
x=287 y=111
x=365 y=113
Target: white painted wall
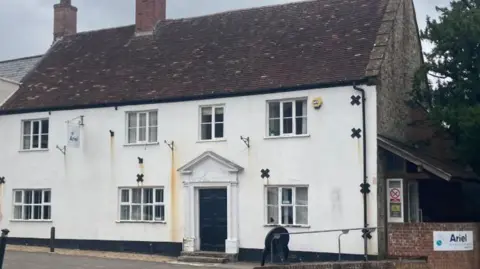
x=85 y=182
x=7 y=88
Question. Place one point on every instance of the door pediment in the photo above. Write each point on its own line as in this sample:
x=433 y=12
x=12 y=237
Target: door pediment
x=210 y=167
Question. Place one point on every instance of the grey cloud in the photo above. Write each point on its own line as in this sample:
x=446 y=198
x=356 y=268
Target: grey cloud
x=26 y=25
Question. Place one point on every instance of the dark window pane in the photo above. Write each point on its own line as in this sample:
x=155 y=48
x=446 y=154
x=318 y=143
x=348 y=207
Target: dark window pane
x=26 y=142
x=302 y=215
x=136 y=212
x=288 y=126
x=44 y=143
x=36 y=127
x=143 y=120
x=219 y=130
x=136 y=196
x=206 y=114
x=47 y=197
x=125 y=197
x=219 y=114
x=153 y=134
x=37 y=197
x=286 y=196
x=125 y=212
x=159 y=196
x=142 y=134
x=287 y=215
x=274 y=127
x=206 y=131
x=287 y=110
x=132 y=135
x=301 y=126
x=272 y=214
x=301 y=196
x=35 y=142
x=28 y=213
x=272 y=196
x=27 y=125
x=18 y=197
x=152 y=118
x=148 y=196
x=44 y=126
x=37 y=212
x=159 y=213
x=46 y=212
x=17 y=212
x=274 y=110
x=132 y=120
x=28 y=199
x=300 y=108
x=148 y=212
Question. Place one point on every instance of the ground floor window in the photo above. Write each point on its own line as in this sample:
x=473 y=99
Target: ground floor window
x=287 y=205
x=142 y=204
x=32 y=204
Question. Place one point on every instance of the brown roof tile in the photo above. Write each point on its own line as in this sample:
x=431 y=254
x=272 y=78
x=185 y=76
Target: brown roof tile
x=239 y=52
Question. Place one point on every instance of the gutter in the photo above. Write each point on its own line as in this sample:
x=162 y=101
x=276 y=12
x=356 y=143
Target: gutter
x=365 y=187
x=10 y=81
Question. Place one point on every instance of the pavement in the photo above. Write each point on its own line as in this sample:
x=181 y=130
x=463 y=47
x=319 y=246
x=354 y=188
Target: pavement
x=40 y=260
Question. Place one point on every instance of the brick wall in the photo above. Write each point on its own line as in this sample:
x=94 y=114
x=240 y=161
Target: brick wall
x=355 y=265
x=414 y=240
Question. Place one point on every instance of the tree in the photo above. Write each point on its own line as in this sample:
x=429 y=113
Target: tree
x=451 y=94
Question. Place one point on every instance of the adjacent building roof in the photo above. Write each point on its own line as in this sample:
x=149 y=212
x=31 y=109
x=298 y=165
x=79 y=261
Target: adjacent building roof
x=233 y=53
x=14 y=70
x=445 y=169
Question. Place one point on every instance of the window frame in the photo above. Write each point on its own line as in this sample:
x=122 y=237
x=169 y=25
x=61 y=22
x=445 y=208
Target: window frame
x=281 y=205
x=137 y=127
x=142 y=204
x=281 y=118
x=213 y=122
x=31 y=134
x=32 y=205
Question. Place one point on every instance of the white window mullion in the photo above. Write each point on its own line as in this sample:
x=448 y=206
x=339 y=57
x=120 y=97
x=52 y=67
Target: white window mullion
x=213 y=122
x=294 y=211
x=281 y=118
x=294 y=120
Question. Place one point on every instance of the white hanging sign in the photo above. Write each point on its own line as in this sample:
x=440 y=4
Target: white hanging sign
x=453 y=241
x=73 y=135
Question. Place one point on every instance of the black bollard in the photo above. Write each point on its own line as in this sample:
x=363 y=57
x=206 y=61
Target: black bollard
x=3 y=245
x=52 y=240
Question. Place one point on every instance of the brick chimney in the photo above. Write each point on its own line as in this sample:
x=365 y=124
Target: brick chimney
x=148 y=13
x=65 y=19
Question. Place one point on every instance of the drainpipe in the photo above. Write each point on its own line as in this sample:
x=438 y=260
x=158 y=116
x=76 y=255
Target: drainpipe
x=365 y=186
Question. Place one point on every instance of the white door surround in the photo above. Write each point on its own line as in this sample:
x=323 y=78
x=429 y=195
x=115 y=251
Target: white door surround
x=209 y=170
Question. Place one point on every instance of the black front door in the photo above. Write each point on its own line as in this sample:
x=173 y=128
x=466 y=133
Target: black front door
x=213 y=219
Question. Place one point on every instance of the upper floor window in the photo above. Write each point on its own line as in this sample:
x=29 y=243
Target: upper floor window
x=212 y=122
x=287 y=117
x=32 y=204
x=142 y=127
x=142 y=204
x=35 y=134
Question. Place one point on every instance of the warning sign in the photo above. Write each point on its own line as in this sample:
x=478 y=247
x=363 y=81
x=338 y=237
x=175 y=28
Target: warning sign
x=395 y=195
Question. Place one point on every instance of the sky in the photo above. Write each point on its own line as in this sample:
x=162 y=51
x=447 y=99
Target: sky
x=26 y=26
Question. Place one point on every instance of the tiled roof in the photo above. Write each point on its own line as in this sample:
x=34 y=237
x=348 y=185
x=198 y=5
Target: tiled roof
x=238 y=52
x=16 y=69
x=443 y=168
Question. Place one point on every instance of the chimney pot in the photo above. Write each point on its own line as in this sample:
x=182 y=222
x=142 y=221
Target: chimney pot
x=148 y=13
x=65 y=19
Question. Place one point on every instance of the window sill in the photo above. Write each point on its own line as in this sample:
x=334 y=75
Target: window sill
x=141 y=221
x=31 y=221
x=287 y=136
x=212 y=140
x=33 y=150
x=287 y=225
x=142 y=144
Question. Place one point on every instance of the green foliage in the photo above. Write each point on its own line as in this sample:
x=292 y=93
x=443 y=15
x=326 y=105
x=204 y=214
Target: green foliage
x=453 y=97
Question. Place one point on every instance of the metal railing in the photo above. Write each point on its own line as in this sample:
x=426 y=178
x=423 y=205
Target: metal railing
x=277 y=236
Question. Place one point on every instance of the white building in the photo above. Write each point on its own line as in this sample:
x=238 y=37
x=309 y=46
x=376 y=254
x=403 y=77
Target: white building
x=152 y=137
